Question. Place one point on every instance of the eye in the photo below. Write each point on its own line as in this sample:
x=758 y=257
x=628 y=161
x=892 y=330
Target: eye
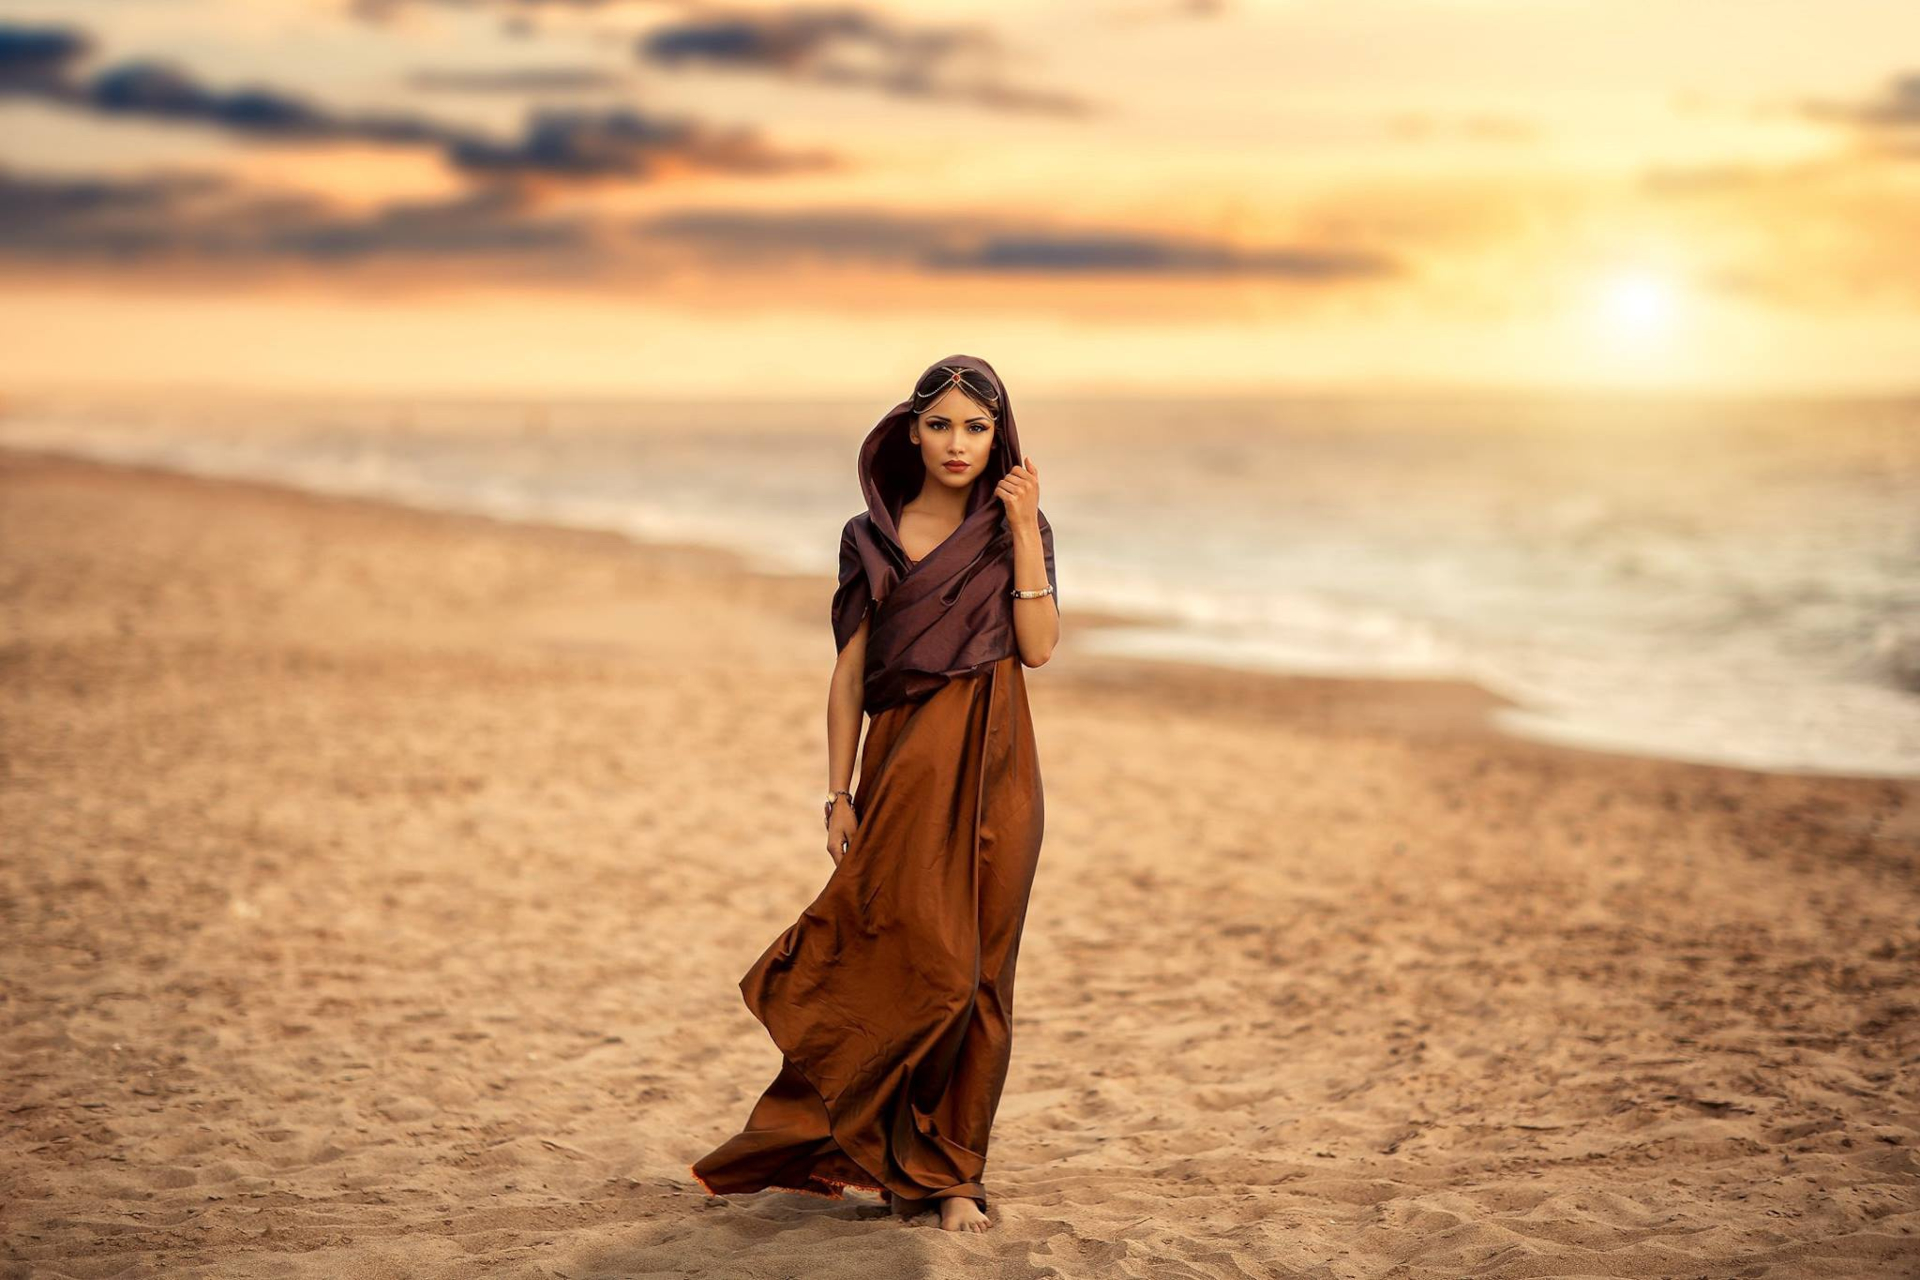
x=980 y=426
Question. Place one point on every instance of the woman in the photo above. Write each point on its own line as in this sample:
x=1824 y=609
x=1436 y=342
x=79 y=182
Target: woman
x=891 y=997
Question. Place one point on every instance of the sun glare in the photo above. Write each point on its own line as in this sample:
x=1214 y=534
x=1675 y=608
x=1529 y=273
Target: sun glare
x=1637 y=306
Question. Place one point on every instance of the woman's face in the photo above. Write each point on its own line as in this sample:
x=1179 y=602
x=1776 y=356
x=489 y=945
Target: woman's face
x=955 y=429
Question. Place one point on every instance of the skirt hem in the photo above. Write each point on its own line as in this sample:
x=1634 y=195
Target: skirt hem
x=835 y=1183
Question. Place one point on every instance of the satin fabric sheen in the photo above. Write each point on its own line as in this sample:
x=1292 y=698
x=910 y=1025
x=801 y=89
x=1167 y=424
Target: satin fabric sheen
x=891 y=997
x=950 y=613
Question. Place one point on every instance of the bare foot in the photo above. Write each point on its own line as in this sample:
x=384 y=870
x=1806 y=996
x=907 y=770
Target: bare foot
x=961 y=1213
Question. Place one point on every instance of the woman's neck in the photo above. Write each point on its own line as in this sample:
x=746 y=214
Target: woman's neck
x=948 y=506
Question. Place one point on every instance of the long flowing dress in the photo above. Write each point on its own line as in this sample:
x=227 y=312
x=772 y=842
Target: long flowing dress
x=891 y=997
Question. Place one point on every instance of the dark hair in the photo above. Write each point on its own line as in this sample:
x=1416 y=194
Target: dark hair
x=976 y=384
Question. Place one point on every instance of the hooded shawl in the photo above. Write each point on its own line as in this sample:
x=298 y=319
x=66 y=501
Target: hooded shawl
x=950 y=613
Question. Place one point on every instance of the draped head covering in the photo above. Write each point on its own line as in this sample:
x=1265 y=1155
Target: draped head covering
x=950 y=613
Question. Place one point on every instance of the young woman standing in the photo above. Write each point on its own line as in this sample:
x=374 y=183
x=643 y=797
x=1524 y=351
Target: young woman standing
x=891 y=997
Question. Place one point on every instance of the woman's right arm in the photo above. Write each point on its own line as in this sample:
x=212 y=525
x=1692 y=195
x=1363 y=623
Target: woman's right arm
x=846 y=698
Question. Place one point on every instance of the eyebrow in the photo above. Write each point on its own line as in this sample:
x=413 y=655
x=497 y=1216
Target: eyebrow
x=978 y=417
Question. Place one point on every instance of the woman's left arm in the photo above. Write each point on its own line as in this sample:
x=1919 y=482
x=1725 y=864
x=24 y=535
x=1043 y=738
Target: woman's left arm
x=1036 y=619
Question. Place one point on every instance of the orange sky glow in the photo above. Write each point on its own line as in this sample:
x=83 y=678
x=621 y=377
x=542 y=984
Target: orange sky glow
x=636 y=197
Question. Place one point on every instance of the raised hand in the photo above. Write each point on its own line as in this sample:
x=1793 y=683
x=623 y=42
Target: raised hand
x=1019 y=491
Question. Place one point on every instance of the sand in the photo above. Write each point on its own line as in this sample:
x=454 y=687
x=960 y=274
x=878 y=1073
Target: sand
x=376 y=882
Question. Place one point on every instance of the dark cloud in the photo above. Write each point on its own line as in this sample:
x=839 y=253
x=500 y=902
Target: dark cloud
x=911 y=80
x=39 y=62
x=38 y=56
x=839 y=44
x=157 y=89
x=207 y=219
x=42 y=62
x=729 y=236
x=1896 y=106
x=853 y=46
x=1882 y=127
x=487 y=224
x=626 y=143
x=1885 y=126
x=1126 y=254
x=519 y=80
x=211 y=221
x=798 y=39
x=962 y=244
x=95 y=218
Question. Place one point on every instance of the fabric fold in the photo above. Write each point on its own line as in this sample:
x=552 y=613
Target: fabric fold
x=890 y=998
x=951 y=612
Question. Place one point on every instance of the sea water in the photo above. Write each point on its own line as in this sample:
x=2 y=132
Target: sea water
x=1714 y=579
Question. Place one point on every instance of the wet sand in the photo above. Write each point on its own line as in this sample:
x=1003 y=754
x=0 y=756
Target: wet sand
x=376 y=883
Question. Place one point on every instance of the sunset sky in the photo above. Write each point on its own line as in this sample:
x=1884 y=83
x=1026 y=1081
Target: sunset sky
x=578 y=197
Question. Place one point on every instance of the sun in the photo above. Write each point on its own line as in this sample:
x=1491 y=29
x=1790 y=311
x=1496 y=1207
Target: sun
x=1637 y=307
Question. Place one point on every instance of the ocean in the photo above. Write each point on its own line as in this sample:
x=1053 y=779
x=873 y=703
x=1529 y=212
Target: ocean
x=1711 y=579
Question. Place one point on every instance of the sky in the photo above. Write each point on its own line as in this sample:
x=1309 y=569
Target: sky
x=673 y=197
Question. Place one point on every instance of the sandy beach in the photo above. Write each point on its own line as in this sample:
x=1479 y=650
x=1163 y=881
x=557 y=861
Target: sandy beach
x=376 y=883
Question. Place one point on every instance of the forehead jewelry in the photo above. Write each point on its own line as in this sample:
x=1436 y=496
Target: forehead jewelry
x=954 y=373
x=957 y=377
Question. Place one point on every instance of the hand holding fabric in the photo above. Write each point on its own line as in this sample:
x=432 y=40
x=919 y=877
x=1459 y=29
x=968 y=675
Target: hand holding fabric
x=1019 y=492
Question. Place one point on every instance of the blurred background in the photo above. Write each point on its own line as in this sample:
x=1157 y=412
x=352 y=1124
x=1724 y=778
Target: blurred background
x=1571 y=348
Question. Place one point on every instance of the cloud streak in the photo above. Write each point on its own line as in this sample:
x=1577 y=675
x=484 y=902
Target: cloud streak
x=197 y=219
x=940 y=245
x=847 y=45
x=201 y=220
x=558 y=79
x=1887 y=124
x=43 y=63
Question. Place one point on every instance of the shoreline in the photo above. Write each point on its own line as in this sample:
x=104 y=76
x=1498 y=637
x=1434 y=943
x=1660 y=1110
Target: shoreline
x=1456 y=706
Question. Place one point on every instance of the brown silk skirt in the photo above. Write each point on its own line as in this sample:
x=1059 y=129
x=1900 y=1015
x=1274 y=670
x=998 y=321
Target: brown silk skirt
x=891 y=997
